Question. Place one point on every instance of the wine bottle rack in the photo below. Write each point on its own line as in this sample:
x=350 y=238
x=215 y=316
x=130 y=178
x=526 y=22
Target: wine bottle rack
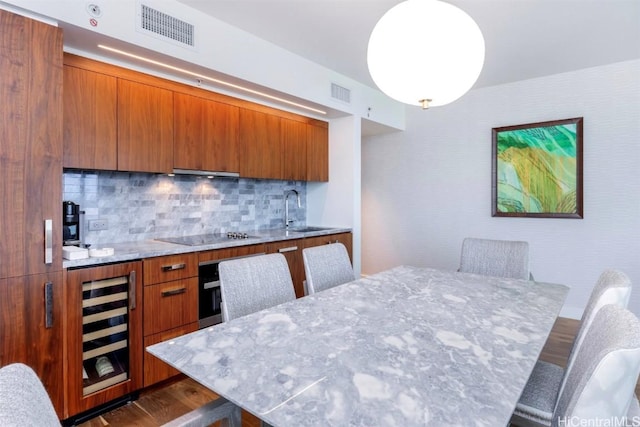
x=105 y=333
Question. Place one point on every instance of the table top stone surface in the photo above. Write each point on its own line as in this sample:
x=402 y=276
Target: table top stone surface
x=406 y=347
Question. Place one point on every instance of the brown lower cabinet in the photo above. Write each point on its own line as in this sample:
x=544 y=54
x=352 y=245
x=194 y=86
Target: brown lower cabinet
x=156 y=370
x=31 y=331
x=170 y=307
x=292 y=251
x=104 y=334
x=345 y=238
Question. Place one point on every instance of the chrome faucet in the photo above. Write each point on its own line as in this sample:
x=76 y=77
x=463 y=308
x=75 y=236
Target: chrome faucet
x=287 y=221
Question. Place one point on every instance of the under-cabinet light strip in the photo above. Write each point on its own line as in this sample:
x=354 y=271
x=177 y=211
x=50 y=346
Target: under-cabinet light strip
x=211 y=79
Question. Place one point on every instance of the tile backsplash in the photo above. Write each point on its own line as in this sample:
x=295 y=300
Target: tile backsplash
x=141 y=206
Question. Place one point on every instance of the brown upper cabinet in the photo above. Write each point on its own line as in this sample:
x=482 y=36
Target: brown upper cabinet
x=90 y=120
x=145 y=127
x=260 y=145
x=120 y=119
x=205 y=134
x=317 y=152
x=294 y=155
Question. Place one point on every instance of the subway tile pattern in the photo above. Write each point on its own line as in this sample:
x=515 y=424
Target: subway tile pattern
x=141 y=206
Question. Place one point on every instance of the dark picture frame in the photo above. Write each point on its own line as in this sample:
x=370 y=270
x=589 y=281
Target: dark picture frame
x=536 y=170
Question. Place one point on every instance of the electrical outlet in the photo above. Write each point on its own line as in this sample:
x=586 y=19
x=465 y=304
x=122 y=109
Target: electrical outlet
x=98 y=224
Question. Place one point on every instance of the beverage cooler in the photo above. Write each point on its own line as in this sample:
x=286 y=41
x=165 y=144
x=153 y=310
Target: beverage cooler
x=104 y=336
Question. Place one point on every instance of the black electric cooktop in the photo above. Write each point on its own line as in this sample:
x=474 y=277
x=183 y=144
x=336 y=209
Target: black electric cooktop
x=205 y=239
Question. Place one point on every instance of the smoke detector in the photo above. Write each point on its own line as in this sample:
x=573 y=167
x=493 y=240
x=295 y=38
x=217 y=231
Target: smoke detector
x=94 y=10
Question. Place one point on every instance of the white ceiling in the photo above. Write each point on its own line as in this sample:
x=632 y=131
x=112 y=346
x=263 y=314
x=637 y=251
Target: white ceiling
x=524 y=38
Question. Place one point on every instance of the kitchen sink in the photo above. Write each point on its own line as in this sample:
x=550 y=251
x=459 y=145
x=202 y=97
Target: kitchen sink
x=309 y=229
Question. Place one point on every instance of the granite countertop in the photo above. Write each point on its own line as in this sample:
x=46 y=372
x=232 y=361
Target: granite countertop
x=128 y=251
x=406 y=347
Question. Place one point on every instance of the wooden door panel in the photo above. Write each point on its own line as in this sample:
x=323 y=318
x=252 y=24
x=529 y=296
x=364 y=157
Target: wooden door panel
x=13 y=82
x=43 y=147
x=344 y=238
x=90 y=120
x=31 y=148
x=188 y=116
x=317 y=153
x=170 y=267
x=155 y=370
x=221 y=143
x=206 y=134
x=260 y=145
x=25 y=338
x=145 y=128
x=170 y=305
x=294 y=140
x=292 y=251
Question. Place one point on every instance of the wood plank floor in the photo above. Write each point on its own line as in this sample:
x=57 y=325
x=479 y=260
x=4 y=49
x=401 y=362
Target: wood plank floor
x=161 y=404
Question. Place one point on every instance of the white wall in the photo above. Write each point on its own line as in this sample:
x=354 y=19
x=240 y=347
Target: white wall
x=337 y=203
x=425 y=189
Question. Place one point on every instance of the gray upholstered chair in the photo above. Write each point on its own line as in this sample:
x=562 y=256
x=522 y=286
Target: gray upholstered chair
x=612 y=287
x=601 y=382
x=500 y=258
x=254 y=283
x=326 y=266
x=23 y=399
x=248 y=285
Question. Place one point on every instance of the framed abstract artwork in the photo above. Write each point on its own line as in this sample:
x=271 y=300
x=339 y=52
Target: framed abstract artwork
x=537 y=170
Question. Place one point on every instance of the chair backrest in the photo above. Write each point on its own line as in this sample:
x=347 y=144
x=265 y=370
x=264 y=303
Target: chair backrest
x=254 y=283
x=600 y=385
x=500 y=258
x=327 y=266
x=612 y=287
x=23 y=399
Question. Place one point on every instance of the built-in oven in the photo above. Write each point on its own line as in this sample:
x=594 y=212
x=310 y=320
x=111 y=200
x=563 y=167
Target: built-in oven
x=209 y=296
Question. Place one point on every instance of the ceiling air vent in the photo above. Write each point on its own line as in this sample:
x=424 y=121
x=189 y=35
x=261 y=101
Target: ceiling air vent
x=340 y=93
x=159 y=23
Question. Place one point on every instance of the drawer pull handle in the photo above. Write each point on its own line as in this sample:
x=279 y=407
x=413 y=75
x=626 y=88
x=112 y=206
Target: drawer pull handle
x=48 y=305
x=174 y=267
x=289 y=249
x=132 y=290
x=173 y=292
x=48 y=241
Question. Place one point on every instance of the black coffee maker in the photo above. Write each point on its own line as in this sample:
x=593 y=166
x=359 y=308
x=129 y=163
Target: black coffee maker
x=70 y=224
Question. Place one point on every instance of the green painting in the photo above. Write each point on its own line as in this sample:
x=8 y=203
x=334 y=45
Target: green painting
x=537 y=169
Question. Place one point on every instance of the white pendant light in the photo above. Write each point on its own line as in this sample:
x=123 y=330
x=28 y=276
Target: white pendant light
x=425 y=52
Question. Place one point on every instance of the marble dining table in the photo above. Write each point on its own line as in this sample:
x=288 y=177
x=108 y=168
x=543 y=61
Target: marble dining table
x=405 y=347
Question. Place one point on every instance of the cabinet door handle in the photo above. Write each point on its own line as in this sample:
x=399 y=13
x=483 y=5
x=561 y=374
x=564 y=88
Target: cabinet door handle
x=335 y=241
x=48 y=241
x=173 y=267
x=173 y=292
x=289 y=249
x=132 y=290
x=48 y=305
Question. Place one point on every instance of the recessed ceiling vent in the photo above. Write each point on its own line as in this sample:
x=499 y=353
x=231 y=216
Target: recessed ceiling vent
x=167 y=26
x=340 y=93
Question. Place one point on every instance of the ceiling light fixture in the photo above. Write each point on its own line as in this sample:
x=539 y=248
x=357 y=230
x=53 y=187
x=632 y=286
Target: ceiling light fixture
x=425 y=52
x=211 y=79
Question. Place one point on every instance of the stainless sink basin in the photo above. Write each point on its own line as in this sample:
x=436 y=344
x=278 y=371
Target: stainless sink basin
x=309 y=229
